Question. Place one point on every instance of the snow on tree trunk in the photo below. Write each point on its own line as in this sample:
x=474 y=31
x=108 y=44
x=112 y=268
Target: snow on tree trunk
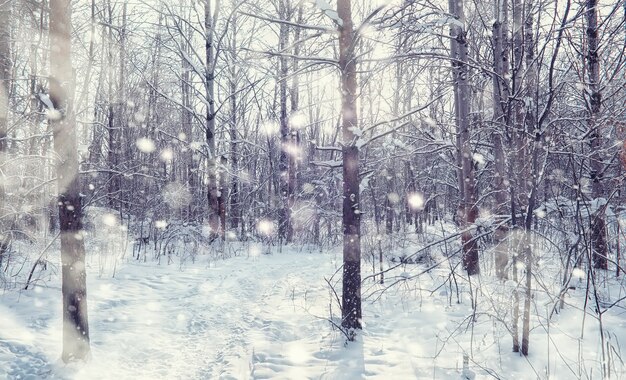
x=213 y=185
x=501 y=121
x=5 y=76
x=234 y=206
x=468 y=209
x=534 y=144
x=74 y=288
x=594 y=102
x=286 y=150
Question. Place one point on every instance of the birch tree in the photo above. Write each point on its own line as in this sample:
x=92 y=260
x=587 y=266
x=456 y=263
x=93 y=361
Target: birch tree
x=5 y=79
x=61 y=117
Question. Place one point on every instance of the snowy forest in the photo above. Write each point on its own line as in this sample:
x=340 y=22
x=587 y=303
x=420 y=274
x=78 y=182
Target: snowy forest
x=312 y=189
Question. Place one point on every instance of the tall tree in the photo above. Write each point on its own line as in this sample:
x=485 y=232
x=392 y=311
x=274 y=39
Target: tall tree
x=467 y=181
x=213 y=194
x=235 y=209
x=533 y=142
x=501 y=121
x=351 y=296
x=74 y=288
x=5 y=78
x=285 y=228
x=593 y=98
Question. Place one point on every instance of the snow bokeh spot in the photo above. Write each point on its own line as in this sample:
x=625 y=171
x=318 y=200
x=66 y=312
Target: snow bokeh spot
x=109 y=220
x=53 y=114
x=145 y=145
x=266 y=227
x=270 y=128
x=297 y=120
x=167 y=154
x=578 y=273
x=393 y=198
x=416 y=201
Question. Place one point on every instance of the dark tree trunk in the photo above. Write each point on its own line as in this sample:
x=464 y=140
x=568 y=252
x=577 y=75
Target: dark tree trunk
x=295 y=134
x=186 y=122
x=468 y=209
x=533 y=141
x=351 y=298
x=223 y=195
x=598 y=225
x=213 y=185
x=235 y=212
x=286 y=150
x=74 y=288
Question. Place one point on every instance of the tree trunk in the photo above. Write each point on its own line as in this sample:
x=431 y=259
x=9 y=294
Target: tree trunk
x=74 y=288
x=286 y=150
x=469 y=211
x=534 y=144
x=5 y=78
x=501 y=120
x=295 y=134
x=351 y=297
x=594 y=96
x=213 y=186
x=113 y=140
x=186 y=120
x=235 y=212
x=222 y=195
x=517 y=180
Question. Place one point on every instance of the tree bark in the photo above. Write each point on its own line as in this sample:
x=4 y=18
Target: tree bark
x=186 y=118
x=469 y=211
x=501 y=121
x=113 y=136
x=74 y=288
x=351 y=297
x=534 y=144
x=235 y=211
x=594 y=103
x=213 y=186
x=285 y=228
x=5 y=78
x=294 y=136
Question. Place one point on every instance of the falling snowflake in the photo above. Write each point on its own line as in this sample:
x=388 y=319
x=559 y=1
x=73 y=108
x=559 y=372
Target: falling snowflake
x=53 y=114
x=297 y=120
x=109 y=220
x=578 y=273
x=416 y=201
x=266 y=227
x=270 y=128
x=167 y=154
x=479 y=159
x=145 y=145
x=394 y=198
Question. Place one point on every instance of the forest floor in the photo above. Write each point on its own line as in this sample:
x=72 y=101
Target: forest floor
x=266 y=316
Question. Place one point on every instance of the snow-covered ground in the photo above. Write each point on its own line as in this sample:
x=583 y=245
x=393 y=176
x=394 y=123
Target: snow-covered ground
x=260 y=316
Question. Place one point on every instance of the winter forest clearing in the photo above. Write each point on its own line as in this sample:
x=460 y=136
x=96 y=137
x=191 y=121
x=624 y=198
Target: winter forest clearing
x=334 y=189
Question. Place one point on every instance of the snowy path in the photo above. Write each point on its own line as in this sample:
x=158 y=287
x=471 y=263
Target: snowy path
x=202 y=322
x=264 y=317
x=232 y=319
